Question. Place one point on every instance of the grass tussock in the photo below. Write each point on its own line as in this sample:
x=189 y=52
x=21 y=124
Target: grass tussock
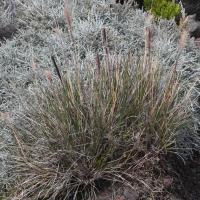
x=80 y=129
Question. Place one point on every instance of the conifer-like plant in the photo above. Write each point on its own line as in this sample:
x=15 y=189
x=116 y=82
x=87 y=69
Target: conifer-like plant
x=162 y=8
x=80 y=129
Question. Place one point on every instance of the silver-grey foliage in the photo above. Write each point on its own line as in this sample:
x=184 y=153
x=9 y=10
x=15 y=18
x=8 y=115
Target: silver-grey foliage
x=125 y=28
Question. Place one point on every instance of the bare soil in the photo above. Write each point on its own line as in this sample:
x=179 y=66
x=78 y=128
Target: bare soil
x=171 y=179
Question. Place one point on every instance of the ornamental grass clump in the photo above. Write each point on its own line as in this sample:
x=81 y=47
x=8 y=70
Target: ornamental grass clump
x=88 y=126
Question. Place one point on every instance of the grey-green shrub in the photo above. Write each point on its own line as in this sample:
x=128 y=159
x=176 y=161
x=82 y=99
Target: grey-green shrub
x=37 y=37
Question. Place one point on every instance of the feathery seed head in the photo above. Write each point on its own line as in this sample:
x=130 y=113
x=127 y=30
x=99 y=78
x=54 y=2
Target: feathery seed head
x=5 y=118
x=33 y=63
x=57 y=31
x=48 y=74
x=183 y=40
x=68 y=16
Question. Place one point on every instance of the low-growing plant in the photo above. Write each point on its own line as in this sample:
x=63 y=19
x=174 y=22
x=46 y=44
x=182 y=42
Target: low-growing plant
x=87 y=126
x=162 y=8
